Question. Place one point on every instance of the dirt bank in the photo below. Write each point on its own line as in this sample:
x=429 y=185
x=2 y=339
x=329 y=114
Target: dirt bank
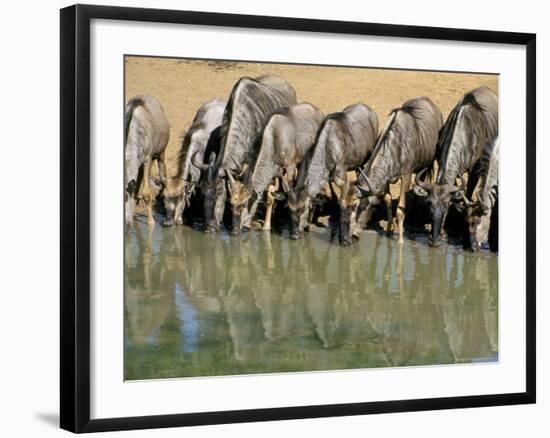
x=183 y=85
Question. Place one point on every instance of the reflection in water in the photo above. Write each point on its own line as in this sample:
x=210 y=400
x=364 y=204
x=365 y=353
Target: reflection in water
x=198 y=305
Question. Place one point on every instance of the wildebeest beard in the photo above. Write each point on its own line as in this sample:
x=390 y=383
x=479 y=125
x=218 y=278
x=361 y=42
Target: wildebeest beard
x=174 y=195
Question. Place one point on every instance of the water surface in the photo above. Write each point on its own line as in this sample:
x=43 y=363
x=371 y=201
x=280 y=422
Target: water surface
x=204 y=305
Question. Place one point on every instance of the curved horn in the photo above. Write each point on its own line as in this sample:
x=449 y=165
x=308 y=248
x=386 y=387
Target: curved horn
x=418 y=176
x=230 y=176
x=467 y=202
x=480 y=197
x=232 y=158
x=197 y=164
x=485 y=201
x=366 y=180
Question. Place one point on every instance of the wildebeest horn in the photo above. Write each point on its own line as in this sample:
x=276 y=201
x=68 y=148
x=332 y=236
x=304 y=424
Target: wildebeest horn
x=366 y=180
x=480 y=197
x=419 y=175
x=232 y=158
x=198 y=165
x=230 y=176
x=462 y=189
x=465 y=199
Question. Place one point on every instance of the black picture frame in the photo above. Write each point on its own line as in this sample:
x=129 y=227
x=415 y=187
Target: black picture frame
x=75 y=217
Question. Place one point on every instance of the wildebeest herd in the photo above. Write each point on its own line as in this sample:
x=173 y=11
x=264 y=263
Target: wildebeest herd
x=261 y=147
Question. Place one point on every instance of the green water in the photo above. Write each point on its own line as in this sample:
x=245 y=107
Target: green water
x=204 y=305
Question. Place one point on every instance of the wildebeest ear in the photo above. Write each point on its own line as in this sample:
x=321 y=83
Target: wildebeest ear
x=279 y=196
x=420 y=191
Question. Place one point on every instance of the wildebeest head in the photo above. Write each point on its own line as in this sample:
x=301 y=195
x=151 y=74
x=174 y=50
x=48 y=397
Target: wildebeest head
x=477 y=219
x=213 y=192
x=240 y=194
x=353 y=199
x=299 y=205
x=175 y=198
x=439 y=197
x=348 y=204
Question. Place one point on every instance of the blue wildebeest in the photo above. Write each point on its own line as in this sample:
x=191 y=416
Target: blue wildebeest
x=344 y=141
x=287 y=136
x=406 y=144
x=146 y=134
x=179 y=188
x=250 y=104
x=470 y=128
x=479 y=212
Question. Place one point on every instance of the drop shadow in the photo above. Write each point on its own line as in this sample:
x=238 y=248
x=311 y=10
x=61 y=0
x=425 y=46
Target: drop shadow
x=50 y=418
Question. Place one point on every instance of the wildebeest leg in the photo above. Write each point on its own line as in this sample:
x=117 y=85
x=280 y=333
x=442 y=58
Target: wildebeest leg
x=400 y=213
x=146 y=192
x=387 y=201
x=270 y=201
x=139 y=185
x=162 y=168
x=179 y=210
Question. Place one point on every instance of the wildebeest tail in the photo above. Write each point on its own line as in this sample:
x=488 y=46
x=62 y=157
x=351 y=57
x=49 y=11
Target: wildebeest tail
x=317 y=174
x=447 y=131
x=382 y=137
x=264 y=163
x=130 y=108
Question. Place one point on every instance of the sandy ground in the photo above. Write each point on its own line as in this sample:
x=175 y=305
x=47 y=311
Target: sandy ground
x=183 y=85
